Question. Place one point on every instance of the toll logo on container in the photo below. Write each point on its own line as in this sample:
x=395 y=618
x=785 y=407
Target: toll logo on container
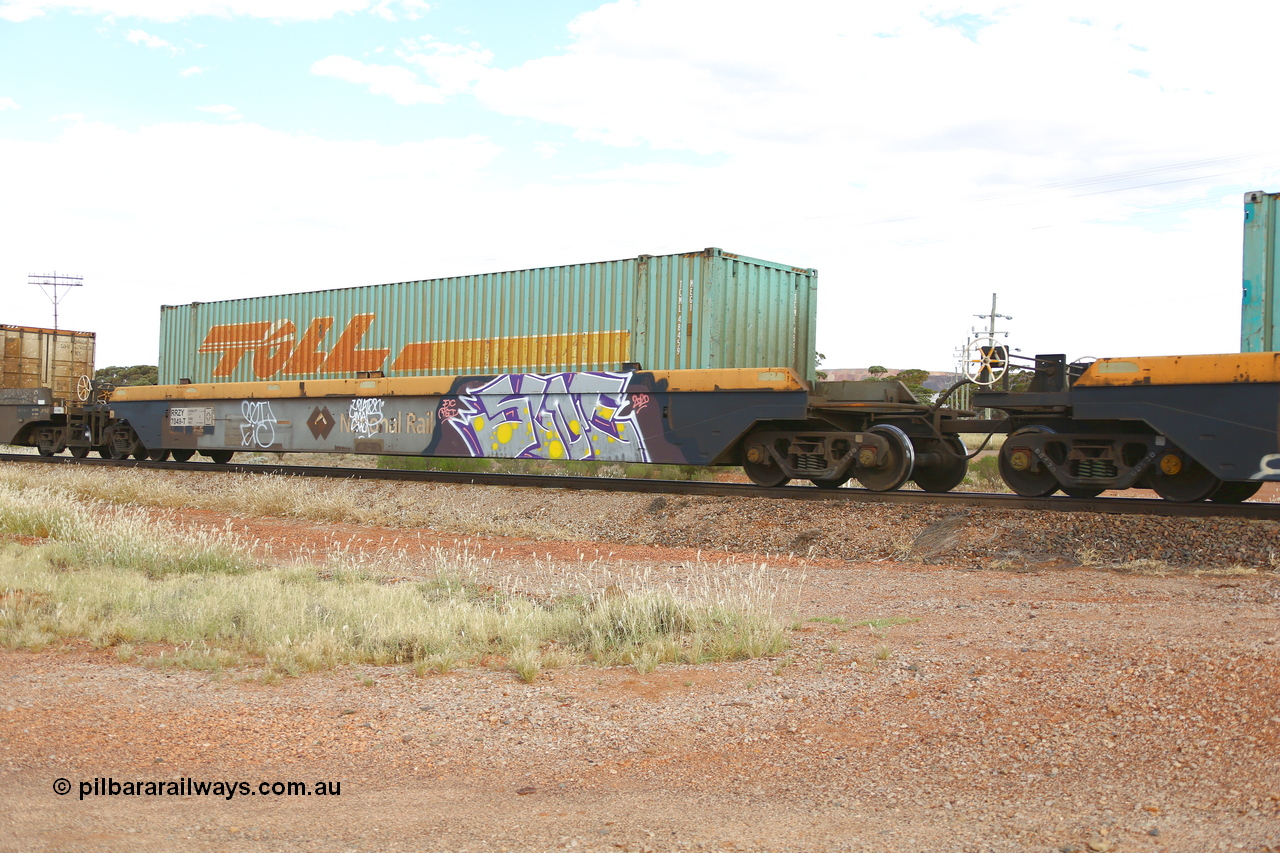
x=276 y=348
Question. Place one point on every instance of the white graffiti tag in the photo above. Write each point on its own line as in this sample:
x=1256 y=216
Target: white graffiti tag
x=260 y=424
x=365 y=416
x=556 y=416
x=1268 y=468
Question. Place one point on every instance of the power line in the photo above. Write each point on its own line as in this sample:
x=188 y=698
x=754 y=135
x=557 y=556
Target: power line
x=53 y=281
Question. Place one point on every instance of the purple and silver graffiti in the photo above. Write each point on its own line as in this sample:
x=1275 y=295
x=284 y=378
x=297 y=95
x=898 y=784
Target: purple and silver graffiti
x=556 y=416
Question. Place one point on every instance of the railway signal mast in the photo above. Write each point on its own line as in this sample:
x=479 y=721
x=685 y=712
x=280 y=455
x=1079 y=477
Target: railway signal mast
x=50 y=283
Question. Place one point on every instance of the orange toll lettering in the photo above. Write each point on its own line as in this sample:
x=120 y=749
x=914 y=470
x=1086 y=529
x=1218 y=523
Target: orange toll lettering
x=274 y=350
x=346 y=358
x=233 y=340
x=307 y=355
x=413 y=357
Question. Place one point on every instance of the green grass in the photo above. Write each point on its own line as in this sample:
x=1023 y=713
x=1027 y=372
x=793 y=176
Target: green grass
x=984 y=475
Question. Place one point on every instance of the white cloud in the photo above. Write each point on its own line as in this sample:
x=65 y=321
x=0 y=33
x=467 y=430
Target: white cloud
x=9 y=104
x=398 y=83
x=173 y=10
x=410 y=10
x=921 y=156
x=148 y=40
x=228 y=210
x=192 y=71
x=547 y=150
x=454 y=68
x=228 y=112
x=873 y=92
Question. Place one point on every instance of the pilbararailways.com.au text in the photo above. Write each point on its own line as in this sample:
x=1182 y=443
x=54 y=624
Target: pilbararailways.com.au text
x=188 y=787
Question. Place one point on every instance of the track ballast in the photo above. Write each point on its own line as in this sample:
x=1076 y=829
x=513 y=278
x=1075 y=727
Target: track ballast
x=1116 y=506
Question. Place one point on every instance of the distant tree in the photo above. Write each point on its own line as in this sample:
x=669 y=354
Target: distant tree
x=139 y=374
x=877 y=370
x=818 y=358
x=914 y=380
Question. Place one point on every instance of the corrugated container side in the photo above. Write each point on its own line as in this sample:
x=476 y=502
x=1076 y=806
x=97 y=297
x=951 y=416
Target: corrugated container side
x=706 y=309
x=46 y=358
x=1260 y=305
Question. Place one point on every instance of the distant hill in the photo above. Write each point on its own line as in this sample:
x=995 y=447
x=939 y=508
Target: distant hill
x=940 y=381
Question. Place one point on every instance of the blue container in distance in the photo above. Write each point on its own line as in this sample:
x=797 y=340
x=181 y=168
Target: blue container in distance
x=1260 y=305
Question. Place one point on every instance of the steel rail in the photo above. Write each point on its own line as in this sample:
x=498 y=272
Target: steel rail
x=1115 y=506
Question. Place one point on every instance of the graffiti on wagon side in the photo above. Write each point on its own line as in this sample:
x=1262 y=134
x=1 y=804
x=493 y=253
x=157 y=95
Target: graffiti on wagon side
x=552 y=416
x=259 y=428
x=365 y=417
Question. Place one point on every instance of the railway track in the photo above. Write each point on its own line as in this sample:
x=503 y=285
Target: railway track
x=1115 y=506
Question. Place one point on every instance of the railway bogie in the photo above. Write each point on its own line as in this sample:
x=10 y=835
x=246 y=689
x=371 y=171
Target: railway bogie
x=1191 y=428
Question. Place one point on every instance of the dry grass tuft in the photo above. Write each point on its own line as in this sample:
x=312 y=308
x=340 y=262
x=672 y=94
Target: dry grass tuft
x=351 y=502
x=115 y=578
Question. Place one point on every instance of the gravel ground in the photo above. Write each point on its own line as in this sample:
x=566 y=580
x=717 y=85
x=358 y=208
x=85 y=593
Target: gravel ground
x=1074 y=683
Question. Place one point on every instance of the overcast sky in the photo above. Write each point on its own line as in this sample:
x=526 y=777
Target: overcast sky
x=1085 y=160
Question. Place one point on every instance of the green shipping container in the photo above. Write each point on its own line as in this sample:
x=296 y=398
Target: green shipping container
x=1261 y=303
x=708 y=309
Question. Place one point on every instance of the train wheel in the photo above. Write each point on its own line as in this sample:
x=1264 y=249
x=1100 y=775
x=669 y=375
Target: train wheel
x=81 y=452
x=1016 y=464
x=51 y=442
x=220 y=457
x=1181 y=479
x=950 y=472
x=760 y=467
x=897 y=465
x=766 y=474
x=1082 y=491
x=124 y=443
x=833 y=483
x=105 y=451
x=181 y=455
x=1234 y=493
x=157 y=455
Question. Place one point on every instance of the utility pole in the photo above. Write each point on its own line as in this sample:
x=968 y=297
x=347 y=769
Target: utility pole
x=991 y=331
x=993 y=316
x=53 y=281
x=962 y=394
